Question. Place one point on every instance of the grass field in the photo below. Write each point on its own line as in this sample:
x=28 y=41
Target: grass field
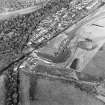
x=97 y=65
x=57 y=93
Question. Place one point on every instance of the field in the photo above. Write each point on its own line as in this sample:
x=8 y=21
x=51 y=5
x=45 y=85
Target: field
x=57 y=93
x=14 y=37
x=96 y=66
x=12 y=5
